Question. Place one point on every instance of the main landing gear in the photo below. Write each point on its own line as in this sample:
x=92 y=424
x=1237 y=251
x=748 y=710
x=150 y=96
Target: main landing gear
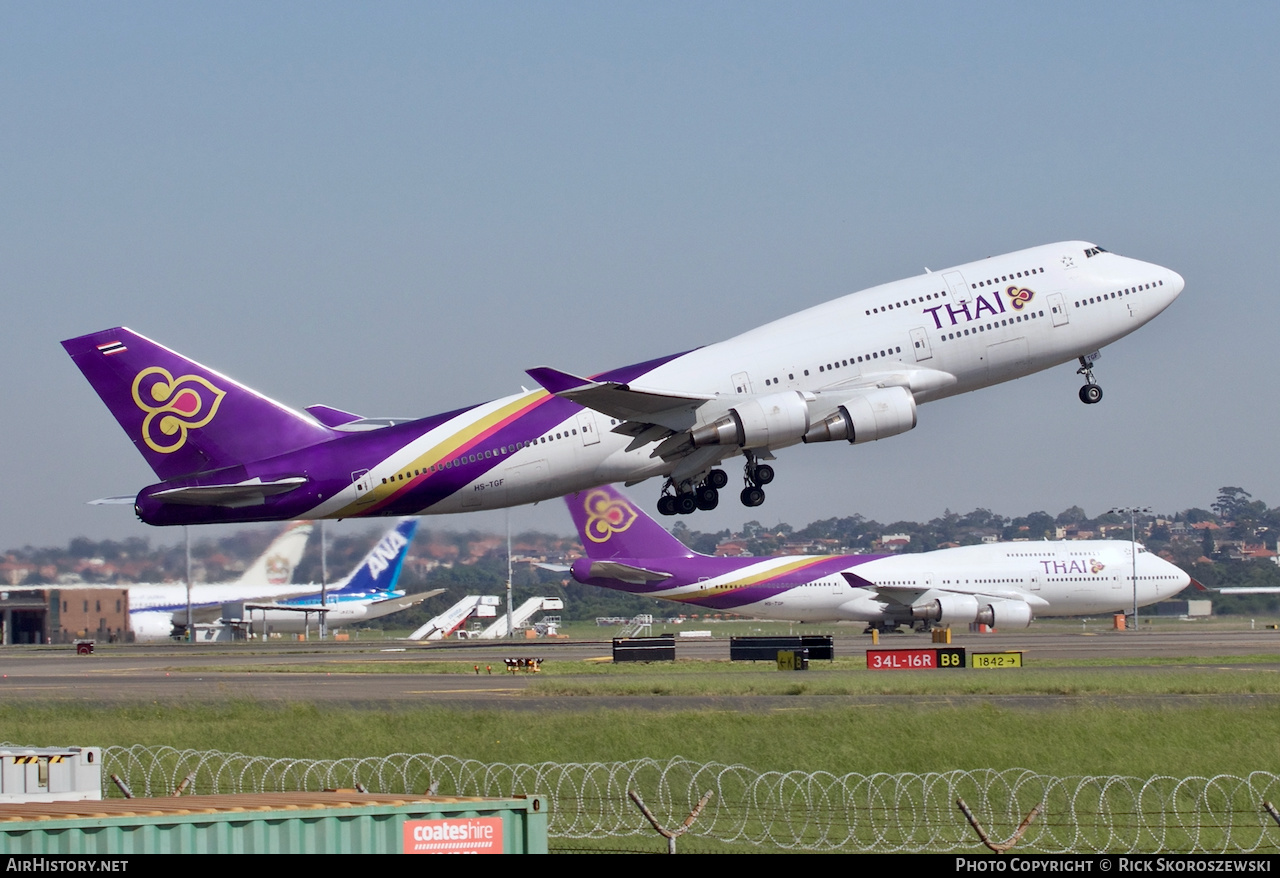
x=705 y=496
x=756 y=476
x=1091 y=393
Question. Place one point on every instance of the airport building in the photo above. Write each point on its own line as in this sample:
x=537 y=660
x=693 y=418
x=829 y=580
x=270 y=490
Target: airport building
x=56 y=615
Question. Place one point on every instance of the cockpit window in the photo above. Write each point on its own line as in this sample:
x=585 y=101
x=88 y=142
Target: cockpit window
x=1091 y=252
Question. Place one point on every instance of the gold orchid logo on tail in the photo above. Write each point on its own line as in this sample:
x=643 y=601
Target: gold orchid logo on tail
x=606 y=516
x=180 y=405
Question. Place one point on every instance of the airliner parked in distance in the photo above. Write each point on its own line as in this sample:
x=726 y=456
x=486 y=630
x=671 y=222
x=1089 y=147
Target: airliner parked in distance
x=999 y=584
x=851 y=370
x=151 y=604
x=159 y=612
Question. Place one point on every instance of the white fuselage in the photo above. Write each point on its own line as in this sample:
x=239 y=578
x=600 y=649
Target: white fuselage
x=154 y=608
x=1061 y=578
x=937 y=334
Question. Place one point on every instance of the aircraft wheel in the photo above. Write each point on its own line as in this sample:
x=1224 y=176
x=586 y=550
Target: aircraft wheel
x=708 y=498
x=667 y=504
x=717 y=478
x=752 y=496
x=763 y=474
x=686 y=503
x=1090 y=394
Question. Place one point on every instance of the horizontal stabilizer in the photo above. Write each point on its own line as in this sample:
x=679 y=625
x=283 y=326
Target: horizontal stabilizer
x=672 y=410
x=120 y=500
x=250 y=493
x=625 y=573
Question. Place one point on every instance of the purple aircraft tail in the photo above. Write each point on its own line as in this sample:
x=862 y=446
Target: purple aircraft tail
x=183 y=417
x=612 y=527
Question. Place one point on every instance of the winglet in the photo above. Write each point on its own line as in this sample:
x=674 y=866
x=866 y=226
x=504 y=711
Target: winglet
x=555 y=381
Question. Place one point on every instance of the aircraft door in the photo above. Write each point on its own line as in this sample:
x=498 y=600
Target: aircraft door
x=1059 y=309
x=741 y=383
x=364 y=486
x=920 y=343
x=587 y=427
x=956 y=284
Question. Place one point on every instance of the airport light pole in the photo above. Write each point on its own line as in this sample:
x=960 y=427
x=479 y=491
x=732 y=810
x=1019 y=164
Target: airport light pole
x=511 y=634
x=186 y=534
x=324 y=579
x=1133 y=512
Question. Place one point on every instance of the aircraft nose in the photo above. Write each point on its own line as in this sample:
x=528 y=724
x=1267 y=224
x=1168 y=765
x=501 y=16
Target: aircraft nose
x=1175 y=284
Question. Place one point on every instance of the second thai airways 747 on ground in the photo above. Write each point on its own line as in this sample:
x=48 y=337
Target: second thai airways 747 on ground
x=851 y=370
x=999 y=584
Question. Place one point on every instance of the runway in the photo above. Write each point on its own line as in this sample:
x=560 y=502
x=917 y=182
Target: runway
x=364 y=673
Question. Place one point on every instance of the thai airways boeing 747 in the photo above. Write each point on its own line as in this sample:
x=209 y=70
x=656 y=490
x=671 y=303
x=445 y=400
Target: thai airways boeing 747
x=852 y=370
x=998 y=584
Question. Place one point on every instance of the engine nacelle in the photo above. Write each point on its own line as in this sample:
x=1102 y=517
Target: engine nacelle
x=875 y=415
x=777 y=419
x=1006 y=614
x=948 y=609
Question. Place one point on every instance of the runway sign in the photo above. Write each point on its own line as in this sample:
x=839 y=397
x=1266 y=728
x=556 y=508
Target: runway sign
x=995 y=660
x=915 y=659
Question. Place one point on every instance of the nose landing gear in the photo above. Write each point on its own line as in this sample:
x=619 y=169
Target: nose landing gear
x=1091 y=393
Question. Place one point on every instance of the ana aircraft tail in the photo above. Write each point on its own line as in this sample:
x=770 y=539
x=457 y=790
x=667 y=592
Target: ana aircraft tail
x=612 y=527
x=183 y=417
x=380 y=569
x=275 y=566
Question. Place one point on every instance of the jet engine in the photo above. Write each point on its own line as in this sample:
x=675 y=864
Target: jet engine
x=776 y=419
x=950 y=609
x=867 y=417
x=1006 y=614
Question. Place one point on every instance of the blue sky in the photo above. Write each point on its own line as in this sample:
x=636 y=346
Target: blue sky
x=397 y=208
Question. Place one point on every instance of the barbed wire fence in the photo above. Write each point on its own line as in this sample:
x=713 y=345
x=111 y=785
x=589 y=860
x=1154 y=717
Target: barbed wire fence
x=793 y=810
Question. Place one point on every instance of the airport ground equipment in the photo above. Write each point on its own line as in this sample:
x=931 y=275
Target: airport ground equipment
x=50 y=774
x=444 y=625
x=642 y=623
x=520 y=617
x=333 y=822
x=644 y=649
x=820 y=647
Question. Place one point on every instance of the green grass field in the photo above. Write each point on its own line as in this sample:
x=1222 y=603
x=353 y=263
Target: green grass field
x=1118 y=723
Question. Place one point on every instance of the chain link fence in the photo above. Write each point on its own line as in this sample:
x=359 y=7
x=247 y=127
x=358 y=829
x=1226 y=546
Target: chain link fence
x=748 y=809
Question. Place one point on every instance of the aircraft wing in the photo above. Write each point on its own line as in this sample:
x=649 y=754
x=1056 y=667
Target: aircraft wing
x=705 y=428
x=909 y=594
x=393 y=605
x=622 y=401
